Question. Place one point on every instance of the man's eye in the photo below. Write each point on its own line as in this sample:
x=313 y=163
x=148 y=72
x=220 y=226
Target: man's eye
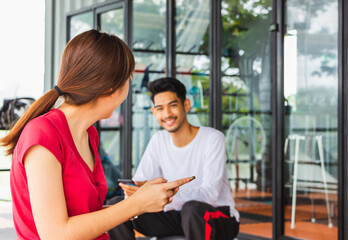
x=159 y=109
x=173 y=105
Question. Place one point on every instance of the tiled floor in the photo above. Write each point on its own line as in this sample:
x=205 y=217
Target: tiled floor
x=6 y=224
x=256 y=216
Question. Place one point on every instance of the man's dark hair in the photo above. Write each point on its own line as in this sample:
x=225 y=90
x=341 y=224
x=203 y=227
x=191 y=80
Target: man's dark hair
x=167 y=84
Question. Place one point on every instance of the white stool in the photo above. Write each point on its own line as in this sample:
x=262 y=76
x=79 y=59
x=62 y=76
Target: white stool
x=297 y=139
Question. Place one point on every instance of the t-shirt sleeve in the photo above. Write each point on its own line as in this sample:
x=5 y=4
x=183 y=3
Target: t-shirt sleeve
x=39 y=131
x=149 y=167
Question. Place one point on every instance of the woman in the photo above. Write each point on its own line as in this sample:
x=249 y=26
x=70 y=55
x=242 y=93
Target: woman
x=57 y=182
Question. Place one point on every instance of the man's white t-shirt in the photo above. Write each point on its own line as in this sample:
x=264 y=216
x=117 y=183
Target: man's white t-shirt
x=204 y=157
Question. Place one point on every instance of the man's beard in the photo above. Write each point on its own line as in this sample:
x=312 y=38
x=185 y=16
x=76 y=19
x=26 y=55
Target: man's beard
x=178 y=127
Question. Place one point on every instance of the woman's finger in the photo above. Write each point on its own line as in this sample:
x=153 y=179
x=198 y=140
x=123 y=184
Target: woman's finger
x=158 y=180
x=178 y=183
x=175 y=191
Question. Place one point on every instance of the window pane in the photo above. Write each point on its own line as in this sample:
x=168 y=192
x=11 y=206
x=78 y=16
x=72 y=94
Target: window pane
x=112 y=22
x=246 y=106
x=81 y=23
x=310 y=91
x=192 y=56
x=149 y=43
x=110 y=156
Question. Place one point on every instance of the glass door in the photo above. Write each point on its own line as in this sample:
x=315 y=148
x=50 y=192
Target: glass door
x=110 y=19
x=246 y=110
x=311 y=118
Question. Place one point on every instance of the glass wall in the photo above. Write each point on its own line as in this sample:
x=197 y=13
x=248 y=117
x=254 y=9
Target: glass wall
x=246 y=110
x=192 y=56
x=310 y=92
x=310 y=174
x=149 y=45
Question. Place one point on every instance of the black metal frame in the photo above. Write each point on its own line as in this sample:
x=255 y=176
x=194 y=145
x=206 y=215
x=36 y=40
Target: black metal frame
x=126 y=148
x=171 y=40
x=277 y=30
x=277 y=42
x=215 y=91
x=53 y=42
x=342 y=121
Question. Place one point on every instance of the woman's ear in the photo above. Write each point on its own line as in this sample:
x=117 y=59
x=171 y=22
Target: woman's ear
x=187 y=105
x=114 y=93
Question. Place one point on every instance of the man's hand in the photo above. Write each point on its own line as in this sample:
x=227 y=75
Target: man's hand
x=129 y=190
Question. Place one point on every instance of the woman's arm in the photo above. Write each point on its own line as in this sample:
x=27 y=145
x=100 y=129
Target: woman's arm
x=49 y=207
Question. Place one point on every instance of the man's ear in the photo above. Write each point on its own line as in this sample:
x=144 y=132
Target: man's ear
x=187 y=105
x=153 y=110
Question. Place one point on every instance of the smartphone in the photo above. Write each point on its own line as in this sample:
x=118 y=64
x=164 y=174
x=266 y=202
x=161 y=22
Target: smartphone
x=126 y=181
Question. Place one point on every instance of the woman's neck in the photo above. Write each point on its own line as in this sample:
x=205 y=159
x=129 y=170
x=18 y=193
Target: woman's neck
x=79 y=120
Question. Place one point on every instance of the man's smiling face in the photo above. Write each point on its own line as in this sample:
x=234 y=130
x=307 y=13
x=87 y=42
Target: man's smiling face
x=170 y=111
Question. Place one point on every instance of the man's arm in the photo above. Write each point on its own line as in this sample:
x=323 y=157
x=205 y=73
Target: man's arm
x=129 y=190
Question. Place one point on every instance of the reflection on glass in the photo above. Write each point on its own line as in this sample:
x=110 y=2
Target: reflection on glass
x=310 y=91
x=246 y=106
x=113 y=22
x=149 y=44
x=110 y=156
x=192 y=56
x=81 y=23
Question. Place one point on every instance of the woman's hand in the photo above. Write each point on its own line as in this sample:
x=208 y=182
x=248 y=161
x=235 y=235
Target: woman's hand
x=155 y=194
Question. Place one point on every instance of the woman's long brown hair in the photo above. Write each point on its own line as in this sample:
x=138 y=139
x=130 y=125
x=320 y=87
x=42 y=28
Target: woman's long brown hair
x=93 y=64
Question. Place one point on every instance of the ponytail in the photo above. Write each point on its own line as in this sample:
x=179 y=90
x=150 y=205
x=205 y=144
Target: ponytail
x=39 y=107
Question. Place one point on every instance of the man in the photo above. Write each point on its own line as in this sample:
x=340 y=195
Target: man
x=202 y=209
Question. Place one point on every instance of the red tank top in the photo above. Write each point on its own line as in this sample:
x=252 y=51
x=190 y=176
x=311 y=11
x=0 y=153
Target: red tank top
x=84 y=190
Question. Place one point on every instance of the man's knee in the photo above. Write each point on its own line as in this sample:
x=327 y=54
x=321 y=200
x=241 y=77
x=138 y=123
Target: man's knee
x=194 y=208
x=195 y=205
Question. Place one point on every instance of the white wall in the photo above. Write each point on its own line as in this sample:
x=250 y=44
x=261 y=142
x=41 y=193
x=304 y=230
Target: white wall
x=21 y=48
